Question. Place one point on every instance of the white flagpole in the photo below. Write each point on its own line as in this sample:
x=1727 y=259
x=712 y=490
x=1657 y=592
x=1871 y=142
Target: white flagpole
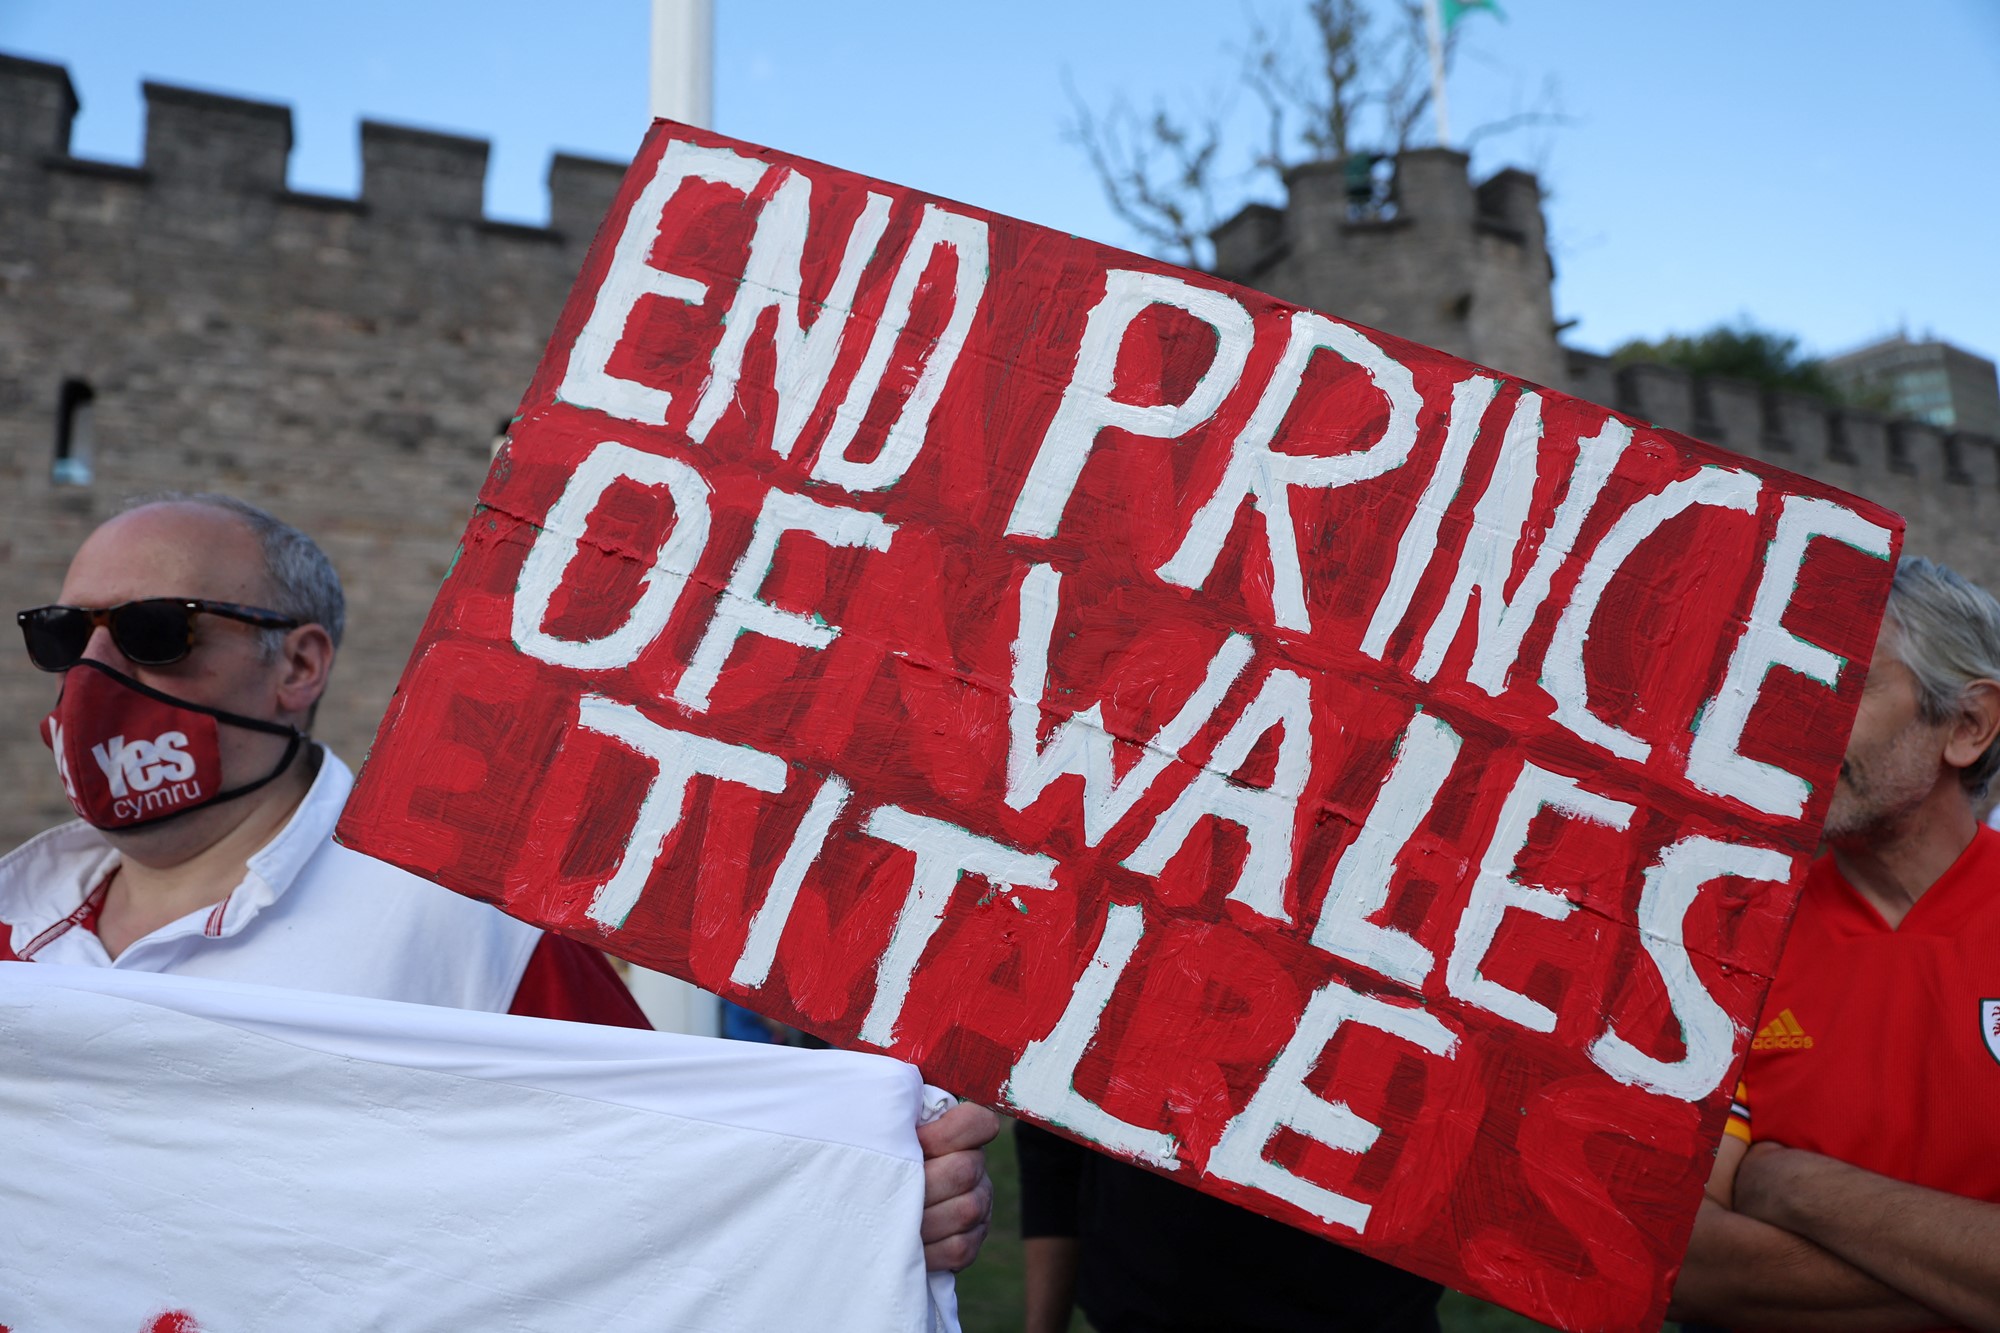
x=1434 y=26
x=684 y=61
x=683 y=89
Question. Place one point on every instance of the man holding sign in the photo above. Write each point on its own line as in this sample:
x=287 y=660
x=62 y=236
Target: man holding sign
x=194 y=636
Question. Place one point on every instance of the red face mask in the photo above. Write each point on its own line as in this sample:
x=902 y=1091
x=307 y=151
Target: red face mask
x=128 y=754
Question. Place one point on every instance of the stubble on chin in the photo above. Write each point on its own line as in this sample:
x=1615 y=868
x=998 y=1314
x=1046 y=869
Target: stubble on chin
x=1871 y=800
x=1847 y=815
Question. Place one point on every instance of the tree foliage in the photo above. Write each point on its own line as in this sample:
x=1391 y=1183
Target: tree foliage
x=1739 y=351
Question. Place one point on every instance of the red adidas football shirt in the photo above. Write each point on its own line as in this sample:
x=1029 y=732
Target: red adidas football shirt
x=1881 y=1047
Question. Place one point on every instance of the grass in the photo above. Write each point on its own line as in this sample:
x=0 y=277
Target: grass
x=989 y=1292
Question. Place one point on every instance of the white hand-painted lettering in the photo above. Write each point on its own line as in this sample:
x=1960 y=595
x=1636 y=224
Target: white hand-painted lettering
x=945 y=854
x=804 y=355
x=1496 y=890
x=1714 y=763
x=586 y=380
x=1257 y=471
x=1087 y=405
x=1282 y=1101
x=1268 y=815
x=1360 y=888
x=966 y=239
x=557 y=543
x=1498 y=525
x=1043 y=1082
x=1563 y=674
x=760 y=949
x=1080 y=744
x=1469 y=400
x=742 y=609
x=678 y=759
x=1671 y=884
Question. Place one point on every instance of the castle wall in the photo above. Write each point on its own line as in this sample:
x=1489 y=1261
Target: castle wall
x=1946 y=484
x=346 y=363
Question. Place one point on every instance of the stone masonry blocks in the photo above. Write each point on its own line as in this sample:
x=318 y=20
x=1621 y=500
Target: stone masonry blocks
x=345 y=363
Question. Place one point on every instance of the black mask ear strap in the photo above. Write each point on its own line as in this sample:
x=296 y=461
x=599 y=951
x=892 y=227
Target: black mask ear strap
x=291 y=753
x=233 y=719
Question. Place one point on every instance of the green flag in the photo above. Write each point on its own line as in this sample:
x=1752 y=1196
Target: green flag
x=1454 y=10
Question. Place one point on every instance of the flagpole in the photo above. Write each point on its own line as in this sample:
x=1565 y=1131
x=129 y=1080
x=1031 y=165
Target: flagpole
x=1434 y=28
x=682 y=88
x=683 y=61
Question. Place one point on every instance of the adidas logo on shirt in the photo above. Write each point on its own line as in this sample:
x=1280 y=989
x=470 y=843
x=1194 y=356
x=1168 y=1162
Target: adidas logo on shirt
x=1782 y=1033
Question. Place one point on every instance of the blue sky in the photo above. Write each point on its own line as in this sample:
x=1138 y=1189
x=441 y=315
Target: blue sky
x=1826 y=167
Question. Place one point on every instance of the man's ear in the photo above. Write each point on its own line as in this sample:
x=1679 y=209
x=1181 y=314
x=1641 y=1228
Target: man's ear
x=1977 y=724
x=305 y=660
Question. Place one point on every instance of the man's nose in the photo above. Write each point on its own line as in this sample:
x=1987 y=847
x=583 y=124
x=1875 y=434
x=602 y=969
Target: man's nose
x=102 y=648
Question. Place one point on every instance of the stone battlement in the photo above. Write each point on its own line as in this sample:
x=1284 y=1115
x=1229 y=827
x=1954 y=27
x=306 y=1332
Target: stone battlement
x=203 y=147
x=192 y=323
x=1440 y=260
x=1946 y=483
x=1791 y=429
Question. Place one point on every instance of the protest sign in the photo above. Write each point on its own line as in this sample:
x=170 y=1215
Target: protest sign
x=195 y=1156
x=1365 y=786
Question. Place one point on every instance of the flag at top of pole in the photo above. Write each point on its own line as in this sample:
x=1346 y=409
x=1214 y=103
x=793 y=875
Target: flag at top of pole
x=1454 y=10
x=1441 y=16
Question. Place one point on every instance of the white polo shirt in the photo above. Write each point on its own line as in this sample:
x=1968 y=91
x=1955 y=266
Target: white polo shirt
x=308 y=914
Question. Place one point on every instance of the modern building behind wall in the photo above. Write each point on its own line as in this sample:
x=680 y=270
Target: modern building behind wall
x=191 y=323
x=1931 y=380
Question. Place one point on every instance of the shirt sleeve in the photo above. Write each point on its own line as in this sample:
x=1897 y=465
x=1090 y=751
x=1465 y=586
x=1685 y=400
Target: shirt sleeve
x=1738 y=1124
x=572 y=981
x=1051 y=1181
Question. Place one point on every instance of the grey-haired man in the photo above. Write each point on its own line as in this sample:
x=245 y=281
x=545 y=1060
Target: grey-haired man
x=1859 y=1187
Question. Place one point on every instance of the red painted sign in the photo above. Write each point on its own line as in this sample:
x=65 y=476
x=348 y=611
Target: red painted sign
x=1367 y=787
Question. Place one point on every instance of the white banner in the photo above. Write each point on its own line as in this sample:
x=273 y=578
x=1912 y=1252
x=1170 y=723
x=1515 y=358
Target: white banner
x=235 y=1159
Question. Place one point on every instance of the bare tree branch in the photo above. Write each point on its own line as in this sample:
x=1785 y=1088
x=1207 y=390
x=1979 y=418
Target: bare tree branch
x=1546 y=112
x=1344 y=95
x=1265 y=74
x=1342 y=27
x=1326 y=100
x=1157 y=173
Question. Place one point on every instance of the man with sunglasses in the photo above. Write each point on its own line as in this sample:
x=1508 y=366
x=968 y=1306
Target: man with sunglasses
x=193 y=639
x=194 y=636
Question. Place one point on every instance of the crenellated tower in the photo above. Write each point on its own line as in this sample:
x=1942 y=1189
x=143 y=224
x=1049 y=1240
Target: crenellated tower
x=1433 y=258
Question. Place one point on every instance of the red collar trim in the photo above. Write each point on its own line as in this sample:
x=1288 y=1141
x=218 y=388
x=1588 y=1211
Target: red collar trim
x=85 y=915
